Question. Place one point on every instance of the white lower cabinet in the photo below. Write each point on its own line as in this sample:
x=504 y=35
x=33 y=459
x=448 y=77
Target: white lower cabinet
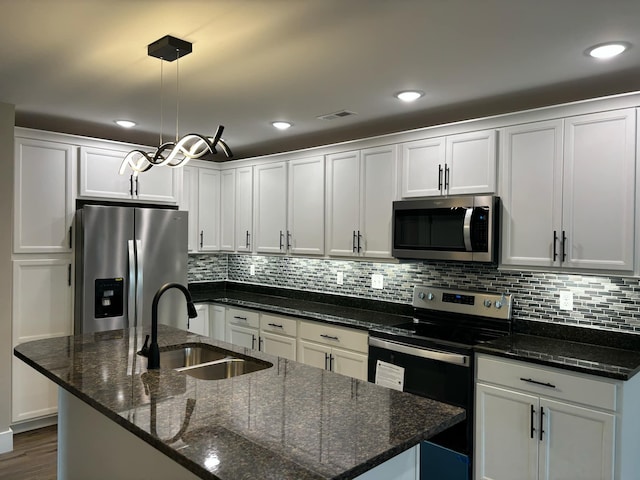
x=337 y=349
x=41 y=309
x=242 y=327
x=200 y=324
x=278 y=335
x=535 y=422
x=217 y=321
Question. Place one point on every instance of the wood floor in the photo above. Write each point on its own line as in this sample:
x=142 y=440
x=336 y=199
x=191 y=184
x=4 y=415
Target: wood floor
x=34 y=456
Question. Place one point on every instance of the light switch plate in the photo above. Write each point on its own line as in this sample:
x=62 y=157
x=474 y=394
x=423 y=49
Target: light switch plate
x=252 y=270
x=340 y=278
x=566 y=300
x=377 y=281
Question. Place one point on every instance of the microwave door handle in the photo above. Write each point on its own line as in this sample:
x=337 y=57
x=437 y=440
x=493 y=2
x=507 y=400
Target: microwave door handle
x=466 y=229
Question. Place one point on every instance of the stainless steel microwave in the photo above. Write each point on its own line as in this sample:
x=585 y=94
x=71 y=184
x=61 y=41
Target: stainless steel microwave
x=461 y=228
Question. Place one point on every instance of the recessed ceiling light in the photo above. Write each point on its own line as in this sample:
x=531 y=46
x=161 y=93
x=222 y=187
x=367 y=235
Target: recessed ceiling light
x=607 y=50
x=409 y=95
x=281 y=125
x=125 y=123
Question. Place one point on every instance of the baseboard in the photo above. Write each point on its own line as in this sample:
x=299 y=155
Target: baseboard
x=6 y=441
x=35 y=424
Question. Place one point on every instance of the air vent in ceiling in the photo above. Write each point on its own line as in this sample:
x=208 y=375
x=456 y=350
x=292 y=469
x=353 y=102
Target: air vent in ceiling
x=334 y=115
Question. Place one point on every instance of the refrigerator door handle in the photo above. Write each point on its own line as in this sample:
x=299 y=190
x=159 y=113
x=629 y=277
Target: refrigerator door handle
x=131 y=296
x=139 y=285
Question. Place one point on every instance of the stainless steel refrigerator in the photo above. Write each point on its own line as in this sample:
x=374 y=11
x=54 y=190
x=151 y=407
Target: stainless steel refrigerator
x=123 y=256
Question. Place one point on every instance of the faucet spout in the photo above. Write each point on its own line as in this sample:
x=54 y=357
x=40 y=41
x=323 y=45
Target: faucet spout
x=154 y=350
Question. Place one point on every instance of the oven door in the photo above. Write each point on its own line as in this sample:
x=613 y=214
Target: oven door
x=437 y=374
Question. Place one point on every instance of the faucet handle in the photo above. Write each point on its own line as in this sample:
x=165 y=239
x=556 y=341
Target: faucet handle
x=144 y=351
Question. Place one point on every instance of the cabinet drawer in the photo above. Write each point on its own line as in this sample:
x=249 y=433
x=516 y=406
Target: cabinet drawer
x=335 y=336
x=281 y=325
x=245 y=318
x=547 y=381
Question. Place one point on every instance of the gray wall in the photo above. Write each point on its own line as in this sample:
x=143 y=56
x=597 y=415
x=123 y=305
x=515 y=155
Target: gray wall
x=611 y=303
x=7 y=120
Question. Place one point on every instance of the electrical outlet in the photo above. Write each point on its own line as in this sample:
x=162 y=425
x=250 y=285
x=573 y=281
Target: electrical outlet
x=377 y=281
x=340 y=278
x=252 y=270
x=566 y=300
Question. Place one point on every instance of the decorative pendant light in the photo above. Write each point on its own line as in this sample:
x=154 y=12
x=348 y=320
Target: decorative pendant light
x=191 y=146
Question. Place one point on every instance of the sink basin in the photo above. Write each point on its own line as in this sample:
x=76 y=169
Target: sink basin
x=190 y=355
x=225 y=368
x=207 y=362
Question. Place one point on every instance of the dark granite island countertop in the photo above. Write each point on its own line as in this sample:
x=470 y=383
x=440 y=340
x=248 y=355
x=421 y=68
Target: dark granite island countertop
x=289 y=421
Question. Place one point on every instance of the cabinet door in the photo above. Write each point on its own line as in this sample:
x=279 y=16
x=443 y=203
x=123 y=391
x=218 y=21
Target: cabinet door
x=159 y=184
x=343 y=203
x=423 y=164
x=351 y=364
x=244 y=209
x=378 y=187
x=577 y=442
x=217 y=322
x=279 y=345
x=270 y=206
x=471 y=163
x=306 y=206
x=227 y=210
x=43 y=209
x=208 y=209
x=505 y=441
x=242 y=336
x=99 y=174
x=200 y=324
x=599 y=190
x=41 y=309
x=189 y=203
x=531 y=193
x=314 y=354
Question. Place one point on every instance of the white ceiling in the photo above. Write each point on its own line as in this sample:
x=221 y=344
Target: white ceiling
x=77 y=65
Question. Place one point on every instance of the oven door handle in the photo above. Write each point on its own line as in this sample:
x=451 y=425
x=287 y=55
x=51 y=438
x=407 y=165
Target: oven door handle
x=455 y=358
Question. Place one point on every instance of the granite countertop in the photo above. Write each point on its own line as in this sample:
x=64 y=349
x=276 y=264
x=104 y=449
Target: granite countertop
x=593 y=351
x=598 y=360
x=288 y=421
x=340 y=310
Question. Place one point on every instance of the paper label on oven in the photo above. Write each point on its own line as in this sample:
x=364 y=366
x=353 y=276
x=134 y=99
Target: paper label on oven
x=389 y=375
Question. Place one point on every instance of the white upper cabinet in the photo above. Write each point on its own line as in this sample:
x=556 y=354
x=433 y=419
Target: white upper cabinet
x=568 y=190
x=599 y=191
x=244 y=209
x=208 y=210
x=531 y=193
x=361 y=187
x=189 y=203
x=343 y=203
x=460 y=164
x=43 y=210
x=270 y=206
x=227 y=210
x=305 y=234
x=99 y=177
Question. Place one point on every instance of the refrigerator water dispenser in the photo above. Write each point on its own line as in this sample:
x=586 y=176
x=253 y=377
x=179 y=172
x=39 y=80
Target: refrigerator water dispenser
x=109 y=297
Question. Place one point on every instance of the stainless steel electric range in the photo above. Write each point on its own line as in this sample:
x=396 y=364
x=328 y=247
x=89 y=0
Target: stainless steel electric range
x=436 y=349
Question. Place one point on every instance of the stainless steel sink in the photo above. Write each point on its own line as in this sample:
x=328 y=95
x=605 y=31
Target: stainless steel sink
x=189 y=355
x=207 y=362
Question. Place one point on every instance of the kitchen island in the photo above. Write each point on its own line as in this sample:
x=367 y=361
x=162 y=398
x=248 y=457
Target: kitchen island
x=287 y=421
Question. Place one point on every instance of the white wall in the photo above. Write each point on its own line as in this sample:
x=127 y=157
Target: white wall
x=7 y=121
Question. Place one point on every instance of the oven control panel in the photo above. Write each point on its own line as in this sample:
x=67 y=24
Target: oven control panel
x=494 y=305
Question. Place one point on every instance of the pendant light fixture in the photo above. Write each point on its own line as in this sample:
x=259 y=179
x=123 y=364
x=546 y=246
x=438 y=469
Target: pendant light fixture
x=191 y=146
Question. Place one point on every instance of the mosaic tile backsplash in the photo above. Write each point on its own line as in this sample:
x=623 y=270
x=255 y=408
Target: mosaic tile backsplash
x=611 y=303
